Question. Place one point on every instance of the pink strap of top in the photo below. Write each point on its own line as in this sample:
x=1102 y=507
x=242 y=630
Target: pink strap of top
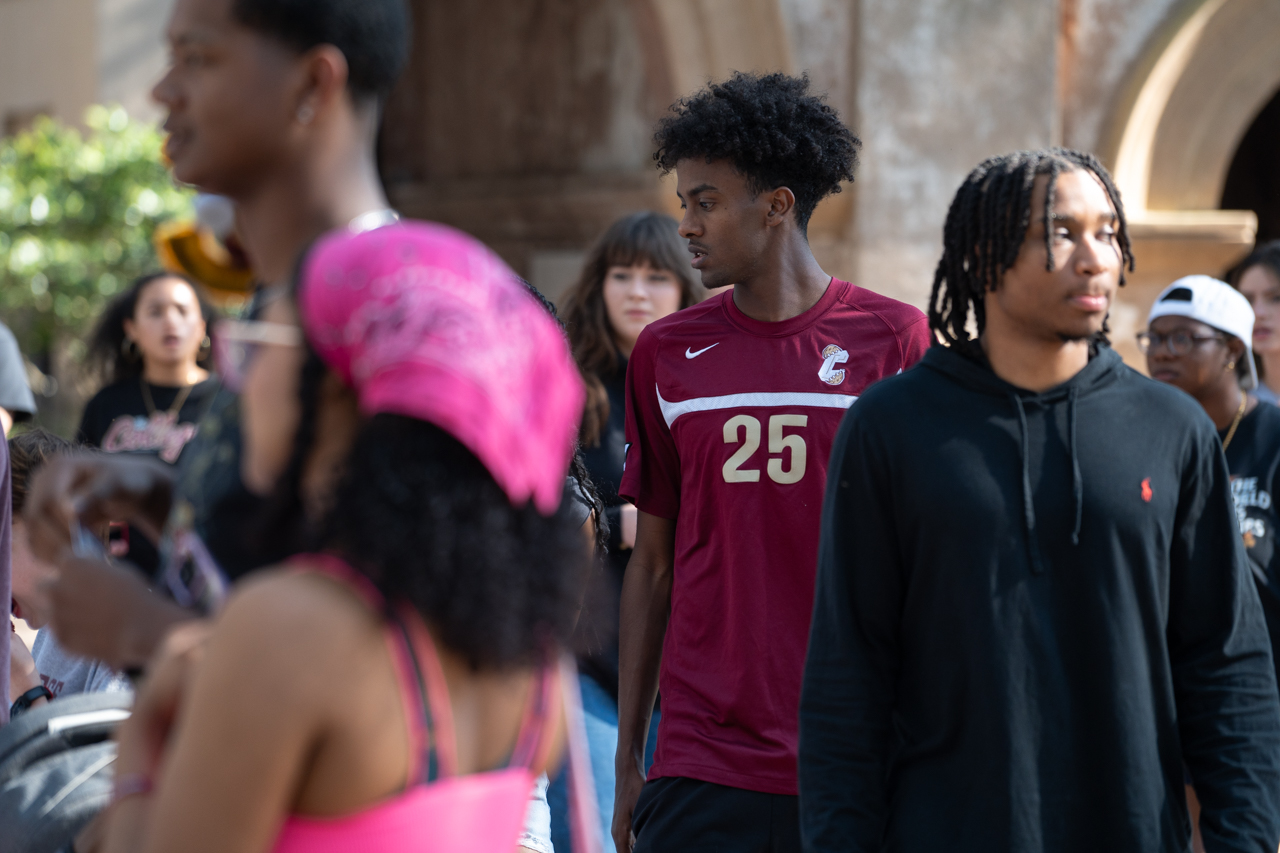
x=481 y=812
x=423 y=688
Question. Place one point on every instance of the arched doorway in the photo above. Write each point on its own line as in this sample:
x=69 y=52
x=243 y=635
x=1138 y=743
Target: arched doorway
x=1253 y=180
x=1173 y=138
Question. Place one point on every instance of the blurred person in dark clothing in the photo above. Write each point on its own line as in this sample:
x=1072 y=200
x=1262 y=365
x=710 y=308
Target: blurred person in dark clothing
x=152 y=347
x=274 y=104
x=637 y=272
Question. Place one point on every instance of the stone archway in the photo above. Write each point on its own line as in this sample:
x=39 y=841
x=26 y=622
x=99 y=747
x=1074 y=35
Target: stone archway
x=1171 y=139
x=528 y=122
x=705 y=40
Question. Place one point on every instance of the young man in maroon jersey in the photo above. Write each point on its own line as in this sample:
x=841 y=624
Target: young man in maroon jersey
x=732 y=406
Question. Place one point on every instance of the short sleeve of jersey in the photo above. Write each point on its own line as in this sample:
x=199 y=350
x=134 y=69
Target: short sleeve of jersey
x=651 y=471
x=916 y=339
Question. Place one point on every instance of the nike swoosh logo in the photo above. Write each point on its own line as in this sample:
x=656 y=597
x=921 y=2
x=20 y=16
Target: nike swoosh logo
x=689 y=353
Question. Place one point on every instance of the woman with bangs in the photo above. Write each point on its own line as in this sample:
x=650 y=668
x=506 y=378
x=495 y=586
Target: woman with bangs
x=638 y=272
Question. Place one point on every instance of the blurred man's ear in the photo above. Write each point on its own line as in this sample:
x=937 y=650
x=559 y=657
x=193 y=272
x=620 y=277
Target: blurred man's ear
x=6 y=420
x=325 y=83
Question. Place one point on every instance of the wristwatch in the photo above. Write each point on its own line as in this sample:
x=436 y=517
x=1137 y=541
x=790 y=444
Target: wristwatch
x=24 y=702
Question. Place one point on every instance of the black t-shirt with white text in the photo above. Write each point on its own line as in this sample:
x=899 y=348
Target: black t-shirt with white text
x=1253 y=458
x=117 y=419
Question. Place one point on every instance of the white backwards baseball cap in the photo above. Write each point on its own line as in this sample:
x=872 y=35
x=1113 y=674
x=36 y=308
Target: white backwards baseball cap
x=1214 y=303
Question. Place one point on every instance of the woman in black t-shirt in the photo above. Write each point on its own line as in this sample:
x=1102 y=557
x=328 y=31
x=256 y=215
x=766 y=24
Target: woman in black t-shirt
x=1199 y=340
x=638 y=272
x=152 y=347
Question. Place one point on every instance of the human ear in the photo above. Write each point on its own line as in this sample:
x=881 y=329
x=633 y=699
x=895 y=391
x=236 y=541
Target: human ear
x=325 y=74
x=781 y=201
x=1235 y=351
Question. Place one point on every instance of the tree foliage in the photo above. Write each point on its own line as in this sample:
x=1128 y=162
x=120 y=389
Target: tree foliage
x=77 y=213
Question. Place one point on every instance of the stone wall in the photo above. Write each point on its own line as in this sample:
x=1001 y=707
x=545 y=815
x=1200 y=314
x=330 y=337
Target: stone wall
x=47 y=50
x=941 y=86
x=527 y=126
x=528 y=123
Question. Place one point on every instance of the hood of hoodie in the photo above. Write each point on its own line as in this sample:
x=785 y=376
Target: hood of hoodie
x=972 y=371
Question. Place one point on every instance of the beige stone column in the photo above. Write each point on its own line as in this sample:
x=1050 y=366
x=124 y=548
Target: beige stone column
x=941 y=86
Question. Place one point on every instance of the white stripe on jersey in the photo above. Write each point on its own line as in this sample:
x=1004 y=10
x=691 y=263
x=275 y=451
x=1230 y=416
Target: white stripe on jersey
x=671 y=411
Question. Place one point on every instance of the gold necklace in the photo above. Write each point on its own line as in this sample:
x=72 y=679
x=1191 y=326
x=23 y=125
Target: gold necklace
x=177 y=402
x=1231 y=433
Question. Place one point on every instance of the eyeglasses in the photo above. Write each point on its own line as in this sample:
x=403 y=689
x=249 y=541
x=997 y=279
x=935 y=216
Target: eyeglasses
x=1179 y=343
x=235 y=342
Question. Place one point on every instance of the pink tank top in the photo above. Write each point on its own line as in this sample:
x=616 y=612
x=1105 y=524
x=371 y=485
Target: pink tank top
x=439 y=811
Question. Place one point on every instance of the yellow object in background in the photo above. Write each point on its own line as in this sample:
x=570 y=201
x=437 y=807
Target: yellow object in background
x=188 y=248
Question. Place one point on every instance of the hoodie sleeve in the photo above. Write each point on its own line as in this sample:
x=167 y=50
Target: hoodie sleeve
x=1220 y=654
x=849 y=676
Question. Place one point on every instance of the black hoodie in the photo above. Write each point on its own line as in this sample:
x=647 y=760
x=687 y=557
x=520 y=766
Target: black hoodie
x=1031 y=610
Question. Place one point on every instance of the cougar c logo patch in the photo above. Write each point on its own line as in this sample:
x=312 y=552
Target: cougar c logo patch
x=831 y=356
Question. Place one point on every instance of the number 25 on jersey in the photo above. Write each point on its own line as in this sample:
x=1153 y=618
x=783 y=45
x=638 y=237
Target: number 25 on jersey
x=791 y=445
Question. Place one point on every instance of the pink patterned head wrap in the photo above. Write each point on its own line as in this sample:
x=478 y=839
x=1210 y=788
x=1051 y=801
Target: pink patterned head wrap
x=424 y=321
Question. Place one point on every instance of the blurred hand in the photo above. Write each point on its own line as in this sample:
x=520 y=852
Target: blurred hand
x=106 y=612
x=93 y=489
x=22 y=667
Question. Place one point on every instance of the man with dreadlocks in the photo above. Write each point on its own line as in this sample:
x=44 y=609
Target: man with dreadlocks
x=1033 y=608
x=732 y=406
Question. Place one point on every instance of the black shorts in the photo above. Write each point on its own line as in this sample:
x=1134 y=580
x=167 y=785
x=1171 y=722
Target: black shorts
x=675 y=814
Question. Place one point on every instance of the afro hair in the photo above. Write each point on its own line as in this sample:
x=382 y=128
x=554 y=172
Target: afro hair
x=773 y=131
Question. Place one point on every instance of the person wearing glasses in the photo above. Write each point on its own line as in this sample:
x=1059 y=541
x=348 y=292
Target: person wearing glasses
x=1199 y=338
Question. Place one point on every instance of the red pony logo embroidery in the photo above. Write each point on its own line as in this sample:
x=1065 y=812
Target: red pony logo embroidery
x=1146 y=490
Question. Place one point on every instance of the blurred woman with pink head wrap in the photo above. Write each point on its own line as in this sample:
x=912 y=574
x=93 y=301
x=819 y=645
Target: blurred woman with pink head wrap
x=399 y=686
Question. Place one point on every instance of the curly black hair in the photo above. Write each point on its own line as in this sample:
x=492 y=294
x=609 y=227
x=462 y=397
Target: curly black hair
x=421 y=516
x=985 y=228
x=771 y=128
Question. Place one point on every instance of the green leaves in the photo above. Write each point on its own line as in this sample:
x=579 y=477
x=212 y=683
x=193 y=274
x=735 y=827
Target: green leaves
x=77 y=212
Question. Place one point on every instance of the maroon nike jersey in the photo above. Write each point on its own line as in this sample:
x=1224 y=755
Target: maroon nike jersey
x=730 y=423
